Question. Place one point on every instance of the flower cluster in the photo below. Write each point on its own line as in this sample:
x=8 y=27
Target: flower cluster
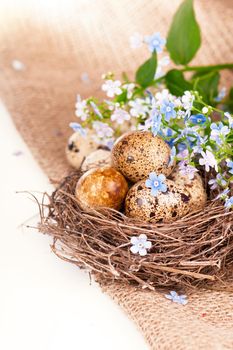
x=200 y=136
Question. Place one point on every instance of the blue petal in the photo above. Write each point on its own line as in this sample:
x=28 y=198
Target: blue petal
x=153 y=176
x=163 y=188
x=148 y=183
x=162 y=177
x=154 y=192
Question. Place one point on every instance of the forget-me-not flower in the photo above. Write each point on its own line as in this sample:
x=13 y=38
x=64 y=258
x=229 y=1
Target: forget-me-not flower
x=187 y=170
x=197 y=119
x=229 y=203
x=219 y=181
x=120 y=115
x=156 y=119
x=218 y=132
x=208 y=160
x=112 y=87
x=81 y=110
x=168 y=110
x=155 y=42
x=138 y=107
x=176 y=298
x=140 y=244
x=156 y=183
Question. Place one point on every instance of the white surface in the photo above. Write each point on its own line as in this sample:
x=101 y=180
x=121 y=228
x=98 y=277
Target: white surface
x=45 y=303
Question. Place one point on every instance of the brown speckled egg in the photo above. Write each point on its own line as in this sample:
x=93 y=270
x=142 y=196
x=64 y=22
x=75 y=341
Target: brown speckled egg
x=102 y=187
x=138 y=153
x=78 y=148
x=165 y=207
x=96 y=159
x=194 y=186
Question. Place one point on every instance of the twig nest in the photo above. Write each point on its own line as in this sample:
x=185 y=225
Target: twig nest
x=96 y=159
x=78 y=148
x=138 y=153
x=164 y=207
x=195 y=187
x=102 y=187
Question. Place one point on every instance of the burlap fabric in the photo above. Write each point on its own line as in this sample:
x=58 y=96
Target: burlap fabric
x=58 y=41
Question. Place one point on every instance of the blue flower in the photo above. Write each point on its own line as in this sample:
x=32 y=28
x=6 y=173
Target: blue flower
x=168 y=110
x=230 y=165
x=229 y=203
x=167 y=136
x=219 y=181
x=179 y=299
x=155 y=42
x=156 y=183
x=198 y=119
x=78 y=128
x=218 y=132
x=156 y=123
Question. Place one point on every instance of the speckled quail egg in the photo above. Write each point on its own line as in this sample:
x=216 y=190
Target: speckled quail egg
x=194 y=186
x=164 y=207
x=138 y=153
x=96 y=159
x=78 y=148
x=101 y=187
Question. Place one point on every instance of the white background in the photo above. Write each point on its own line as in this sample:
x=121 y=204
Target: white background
x=45 y=303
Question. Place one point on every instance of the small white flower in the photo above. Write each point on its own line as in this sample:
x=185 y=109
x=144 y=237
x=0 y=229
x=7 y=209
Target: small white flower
x=162 y=96
x=112 y=87
x=208 y=161
x=136 y=40
x=187 y=170
x=102 y=130
x=179 y=299
x=81 y=108
x=119 y=115
x=205 y=110
x=17 y=65
x=139 y=107
x=129 y=87
x=187 y=100
x=140 y=245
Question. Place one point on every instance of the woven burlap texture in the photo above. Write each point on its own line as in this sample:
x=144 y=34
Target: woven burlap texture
x=58 y=42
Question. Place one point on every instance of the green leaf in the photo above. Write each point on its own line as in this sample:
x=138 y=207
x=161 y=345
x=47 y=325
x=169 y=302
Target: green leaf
x=146 y=72
x=184 y=37
x=122 y=97
x=176 y=82
x=207 y=86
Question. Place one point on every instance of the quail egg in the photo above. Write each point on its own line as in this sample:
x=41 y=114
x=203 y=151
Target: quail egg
x=165 y=207
x=78 y=148
x=96 y=159
x=198 y=196
x=101 y=187
x=138 y=153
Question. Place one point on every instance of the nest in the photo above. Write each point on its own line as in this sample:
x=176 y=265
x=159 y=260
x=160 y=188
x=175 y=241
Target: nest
x=194 y=251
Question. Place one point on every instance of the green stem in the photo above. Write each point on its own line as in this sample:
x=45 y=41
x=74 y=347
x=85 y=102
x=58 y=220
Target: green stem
x=206 y=68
